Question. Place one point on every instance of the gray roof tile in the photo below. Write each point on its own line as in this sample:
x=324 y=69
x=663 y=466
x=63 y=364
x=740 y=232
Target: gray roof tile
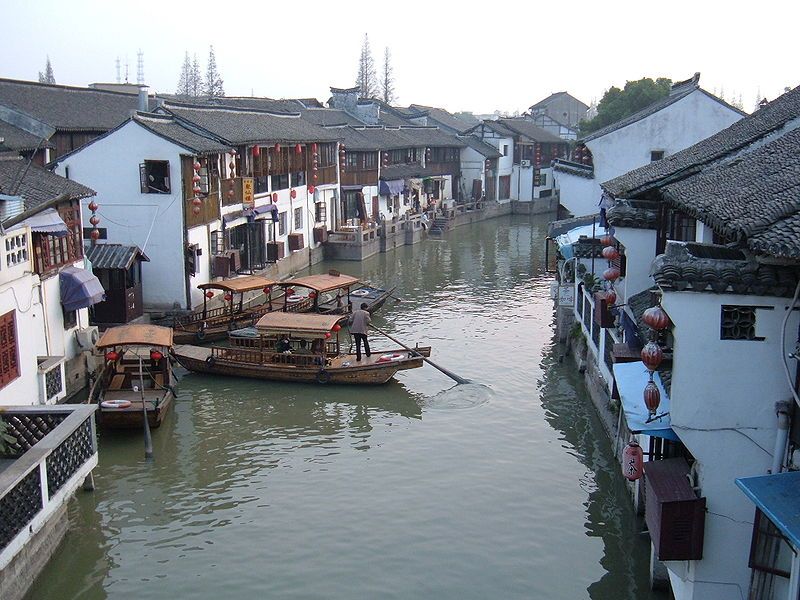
x=38 y=185
x=113 y=256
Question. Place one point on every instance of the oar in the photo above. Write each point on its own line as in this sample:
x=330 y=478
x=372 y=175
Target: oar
x=450 y=374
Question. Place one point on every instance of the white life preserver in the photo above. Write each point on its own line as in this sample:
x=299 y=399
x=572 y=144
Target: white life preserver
x=295 y=298
x=391 y=357
x=115 y=403
x=360 y=293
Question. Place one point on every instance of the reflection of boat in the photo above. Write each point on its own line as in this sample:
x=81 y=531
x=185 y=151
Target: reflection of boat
x=137 y=371
x=331 y=293
x=312 y=355
x=213 y=324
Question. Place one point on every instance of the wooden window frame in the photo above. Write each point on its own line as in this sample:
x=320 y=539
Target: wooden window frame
x=9 y=349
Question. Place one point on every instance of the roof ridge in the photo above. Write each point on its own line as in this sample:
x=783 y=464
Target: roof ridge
x=69 y=87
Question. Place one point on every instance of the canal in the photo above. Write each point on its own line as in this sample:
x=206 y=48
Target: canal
x=414 y=489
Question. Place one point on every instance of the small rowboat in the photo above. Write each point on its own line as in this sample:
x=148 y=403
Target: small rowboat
x=300 y=347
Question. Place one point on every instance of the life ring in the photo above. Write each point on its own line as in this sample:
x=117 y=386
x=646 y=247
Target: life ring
x=295 y=298
x=211 y=361
x=360 y=293
x=323 y=376
x=115 y=403
x=390 y=357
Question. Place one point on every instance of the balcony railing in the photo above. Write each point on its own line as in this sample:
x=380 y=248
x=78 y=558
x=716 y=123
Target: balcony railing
x=55 y=449
x=51 y=379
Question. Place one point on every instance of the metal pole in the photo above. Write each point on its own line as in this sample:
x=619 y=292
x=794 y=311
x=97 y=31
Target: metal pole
x=148 y=441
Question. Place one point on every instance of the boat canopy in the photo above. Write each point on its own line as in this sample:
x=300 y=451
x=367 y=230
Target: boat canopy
x=322 y=283
x=136 y=335
x=300 y=323
x=247 y=283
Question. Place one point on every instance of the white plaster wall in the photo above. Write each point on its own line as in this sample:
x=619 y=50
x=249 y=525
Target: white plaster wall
x=473 y=166
x=579 y=195
x=722 y=407
x=154 y=222
x=640 y=250
x=60 y=341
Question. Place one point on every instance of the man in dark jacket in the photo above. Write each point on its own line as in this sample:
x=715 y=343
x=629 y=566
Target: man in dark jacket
x=359 y=327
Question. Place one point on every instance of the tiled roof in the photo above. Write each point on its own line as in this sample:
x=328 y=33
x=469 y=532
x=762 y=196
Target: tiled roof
x=68 y=108
x=266 y=104
x=38 y=185
x=403 y=171
x=633 y=214
x=481 y=147
x=247 y=126
x=113 y=256
x=443 y=117
x=573 y=168
x=19 y=140
x=727 y=142
x=395 y=138
x=745 y=197
x=168 y=128
x=553 y=96
x=528 y=129
x=330 y=116
x=718 y=269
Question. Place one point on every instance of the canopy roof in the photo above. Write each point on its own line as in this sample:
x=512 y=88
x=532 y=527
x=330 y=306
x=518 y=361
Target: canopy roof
x=322 y=283
x=240 y=284
x=776 y=496
x=289 y=322
x=136 y=335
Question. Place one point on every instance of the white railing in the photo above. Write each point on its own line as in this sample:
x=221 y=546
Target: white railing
x=51 y=379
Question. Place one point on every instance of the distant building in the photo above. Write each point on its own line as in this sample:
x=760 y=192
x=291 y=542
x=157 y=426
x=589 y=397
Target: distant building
x=561 y=107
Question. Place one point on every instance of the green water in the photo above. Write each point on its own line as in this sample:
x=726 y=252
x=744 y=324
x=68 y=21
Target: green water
x=414 y=489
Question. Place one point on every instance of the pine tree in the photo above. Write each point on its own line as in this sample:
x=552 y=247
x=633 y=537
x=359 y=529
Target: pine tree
x=366 y=79
x=195 y=80
x=387 y=79
x=185 y=79
x=213 y=84
x=47 y=76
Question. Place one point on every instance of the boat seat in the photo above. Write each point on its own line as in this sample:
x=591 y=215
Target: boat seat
x=117 y=381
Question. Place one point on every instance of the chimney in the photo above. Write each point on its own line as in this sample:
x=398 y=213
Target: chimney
x=143 y=104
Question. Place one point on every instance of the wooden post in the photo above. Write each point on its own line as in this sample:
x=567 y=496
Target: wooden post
x=205 y=305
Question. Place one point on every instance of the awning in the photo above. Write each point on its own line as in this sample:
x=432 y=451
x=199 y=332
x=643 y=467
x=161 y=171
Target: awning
x=631 y=378
x=79 y=288
x=270 y=210
x=565 y=240
x=393 y=187
x=47 y=221
x=776 y=496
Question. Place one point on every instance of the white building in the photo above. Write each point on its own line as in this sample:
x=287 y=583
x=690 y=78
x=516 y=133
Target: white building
x=689 y=114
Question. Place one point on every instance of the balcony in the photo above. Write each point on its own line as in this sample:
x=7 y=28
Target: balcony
x=55 y=450
x=51 y=379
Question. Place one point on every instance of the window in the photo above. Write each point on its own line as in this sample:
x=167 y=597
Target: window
x=217 y=242
x=154 y=177
x=771 y=560
x=543 y=179
x=282 y=223
x=16 y=249
x=320 y=212
x=298 y=217
x=280 y=182
x=70 y=318
x=9 y=355
x=192 y=252
x=505 y=187
x=52 y=251
x=738 y=323
x=298 y=179
x=656 y=155
x=326 y=155
x=87 y=233
x=682 y=228
x=505 y=149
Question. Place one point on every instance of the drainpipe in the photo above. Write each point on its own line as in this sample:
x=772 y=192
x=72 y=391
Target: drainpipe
x=781 y=436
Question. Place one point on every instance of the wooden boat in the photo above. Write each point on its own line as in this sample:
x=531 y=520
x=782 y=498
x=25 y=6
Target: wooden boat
x=331 y=293
x=137 y=372
x=213 y=324
x=315 y=354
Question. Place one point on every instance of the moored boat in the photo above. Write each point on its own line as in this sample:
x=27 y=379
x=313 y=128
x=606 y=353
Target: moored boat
x=137 y=376
x=299 y=347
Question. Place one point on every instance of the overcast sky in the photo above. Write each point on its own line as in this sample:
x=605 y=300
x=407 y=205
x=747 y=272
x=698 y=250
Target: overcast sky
x=477 y=56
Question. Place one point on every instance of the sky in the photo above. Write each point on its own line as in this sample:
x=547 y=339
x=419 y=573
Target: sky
x=474 y=56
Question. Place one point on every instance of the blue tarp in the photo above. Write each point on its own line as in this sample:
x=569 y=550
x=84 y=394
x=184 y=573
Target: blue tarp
x=777 y=497
x=79 y=288
x=631 y=379
x=392 y=187
x=272 y=209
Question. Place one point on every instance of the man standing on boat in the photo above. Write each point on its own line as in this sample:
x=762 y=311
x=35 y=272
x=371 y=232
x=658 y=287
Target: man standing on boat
x=359 y=327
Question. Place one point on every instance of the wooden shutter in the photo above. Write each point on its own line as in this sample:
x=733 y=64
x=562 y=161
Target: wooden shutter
x=9 y=355
x=143 y=178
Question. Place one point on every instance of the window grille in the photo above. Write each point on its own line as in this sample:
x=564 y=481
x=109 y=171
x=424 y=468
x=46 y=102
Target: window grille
x=738 y=323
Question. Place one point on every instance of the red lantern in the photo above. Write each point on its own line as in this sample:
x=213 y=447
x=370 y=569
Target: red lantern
x=312 y=295
x=94 y=220
x=314 y=176
x=112 y=356
x=196 y=166
x=197 y=202
x=196 y=178
x=92 y=206
x=611 y=274
x=610 y=253
x=652 y=355
x=327 y=335
x=607 y=240
x=156 y=355
x=293 y=193
x=290 y=291
x=209 y=294
x=95 y=235
x=231 y=193
x=256 y=150
x=632 y=461
x=298 y=149
x=228 y=297
x=314 y=147
x=277 y=147
x=611 y=297
x=337 y=327
x=311 y=189
x=267 y=290
x=656 y=318
x=652 y=397
x=274 y=197
x=196 y=210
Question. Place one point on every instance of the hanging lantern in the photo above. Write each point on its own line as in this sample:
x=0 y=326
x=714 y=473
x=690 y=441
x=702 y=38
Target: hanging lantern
x=311 y=189
x=233 y=152
x=228 y=297
x=652 y=397
x=298 y=149
x=274 y=197
x=314 y=176
x=327 y=335
x=632 y=461
x=337 y=327
x=256 y=151
x=611 y=297
x=156 y=355
x=277 y=147
x=196 y=166
x=607 y=240
x=94 y=220
x=611 y=274
x=196 y=189
x=314 y=147
x=652 y=355
x=290 y=291
x=112 y=355
x=95 y=235
x=93 y=206
x=312 y=295
x=656 y=318
x=293 y=193
x=195 y=210
x=196 y=201
x=610 y=253
x=267 y=290
x=209 y=294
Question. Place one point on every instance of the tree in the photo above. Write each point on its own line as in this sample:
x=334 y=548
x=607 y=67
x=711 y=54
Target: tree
x=195 y=79
x=185 y=79
x=618 y=103
x=387 y=79
x=366 y=79
x=47 y=76
x=213 y=84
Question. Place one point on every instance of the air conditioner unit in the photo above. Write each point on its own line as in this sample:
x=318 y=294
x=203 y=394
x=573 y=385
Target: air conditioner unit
x=87 y=337
x=525 y=163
